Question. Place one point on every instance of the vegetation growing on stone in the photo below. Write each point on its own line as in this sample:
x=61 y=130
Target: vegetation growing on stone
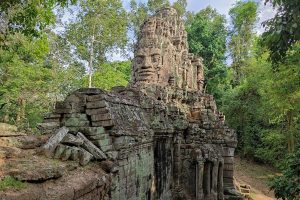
x=10 y=182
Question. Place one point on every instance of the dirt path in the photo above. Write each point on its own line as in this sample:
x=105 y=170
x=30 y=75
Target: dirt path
x=256 y=176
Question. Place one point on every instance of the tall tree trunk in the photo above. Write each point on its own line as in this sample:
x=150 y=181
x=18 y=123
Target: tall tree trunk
x=91 y=62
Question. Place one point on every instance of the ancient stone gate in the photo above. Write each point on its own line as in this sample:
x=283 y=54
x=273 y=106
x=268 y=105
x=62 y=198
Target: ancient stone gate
x=162 y=135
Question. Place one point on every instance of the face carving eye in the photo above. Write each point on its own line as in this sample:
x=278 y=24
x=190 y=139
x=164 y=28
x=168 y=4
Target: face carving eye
x=155 y=58
x=139 y=60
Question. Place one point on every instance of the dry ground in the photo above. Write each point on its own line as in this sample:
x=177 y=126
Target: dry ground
x=255 y=175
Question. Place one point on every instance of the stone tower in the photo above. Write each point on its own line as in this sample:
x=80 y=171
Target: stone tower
x=162 y=133
x=162 y=57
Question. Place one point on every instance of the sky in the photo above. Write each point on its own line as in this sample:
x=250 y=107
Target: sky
x=222 y=6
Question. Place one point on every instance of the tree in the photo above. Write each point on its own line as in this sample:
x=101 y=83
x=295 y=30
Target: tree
x=154 y=5
x=243 y=16
x=112 y=74
x=180 y=6
x=283 y=30
x=101 y=27
x=28 y=17
x=207 y=38
x=24 y=76
x=281 y=91
x=137 y=15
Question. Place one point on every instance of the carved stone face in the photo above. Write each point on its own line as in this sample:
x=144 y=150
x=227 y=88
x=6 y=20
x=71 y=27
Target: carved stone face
x=147 y=64
x=149 y=27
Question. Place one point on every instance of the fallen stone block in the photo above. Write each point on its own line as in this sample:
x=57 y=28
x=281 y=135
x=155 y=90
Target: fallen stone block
x=53 y=141
x=66 y=154
x=72 y=140
x=59 y=151
x=90 y=147
x=84 y=157
x=75 y=153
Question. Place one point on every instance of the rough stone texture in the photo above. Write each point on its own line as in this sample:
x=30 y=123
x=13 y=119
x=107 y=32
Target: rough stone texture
x=77 y=185
x=161 y=136
x=52 y=143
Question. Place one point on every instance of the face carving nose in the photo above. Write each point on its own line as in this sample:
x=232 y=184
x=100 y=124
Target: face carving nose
x=147 y=63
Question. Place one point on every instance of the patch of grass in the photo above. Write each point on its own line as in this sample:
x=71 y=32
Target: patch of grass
x=11 y=182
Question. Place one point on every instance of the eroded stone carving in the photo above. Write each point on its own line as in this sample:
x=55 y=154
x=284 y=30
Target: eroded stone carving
x=161 y=54
x=164 y=136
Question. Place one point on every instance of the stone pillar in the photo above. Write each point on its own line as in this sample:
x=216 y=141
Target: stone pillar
x=199 y=179
x=177 y=159
x=228 y=155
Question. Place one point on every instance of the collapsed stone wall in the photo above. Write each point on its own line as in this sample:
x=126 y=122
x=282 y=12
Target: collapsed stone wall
x=162 y=136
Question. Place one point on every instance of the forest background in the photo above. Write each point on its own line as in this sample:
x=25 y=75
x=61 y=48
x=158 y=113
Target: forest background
x=43 y=57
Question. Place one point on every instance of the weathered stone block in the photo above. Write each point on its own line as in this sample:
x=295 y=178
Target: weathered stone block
x=90 y=147
x=73 y=122
x=80 y=116
x=97 y=97
x=102 y=143
x=66 y=154
x=108 y=123
x=91 y=131
x=227 y=173
x=96 y=111
x=72 y=140
x=101 y=117
x=59 y=151
x=96 y=104
x=97 y=137
x=53 y=141
x=75 y=153
x=84 y=157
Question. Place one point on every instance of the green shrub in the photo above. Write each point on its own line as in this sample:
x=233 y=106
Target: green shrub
x=287 y=186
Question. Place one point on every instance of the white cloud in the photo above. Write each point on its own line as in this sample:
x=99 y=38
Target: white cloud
x=265 y=12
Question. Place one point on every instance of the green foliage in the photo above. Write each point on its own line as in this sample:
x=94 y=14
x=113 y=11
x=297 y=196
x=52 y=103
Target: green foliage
x=283 y=30
x=24 y=77
x=11 y=182
x=243 y=16
x=264 y=108
x=154 y=5
x=287 y=186
x=138 y=13
x=112 y=74
x=29 y=17
x=180 y=6
x=207 y=38
x=101 y=27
